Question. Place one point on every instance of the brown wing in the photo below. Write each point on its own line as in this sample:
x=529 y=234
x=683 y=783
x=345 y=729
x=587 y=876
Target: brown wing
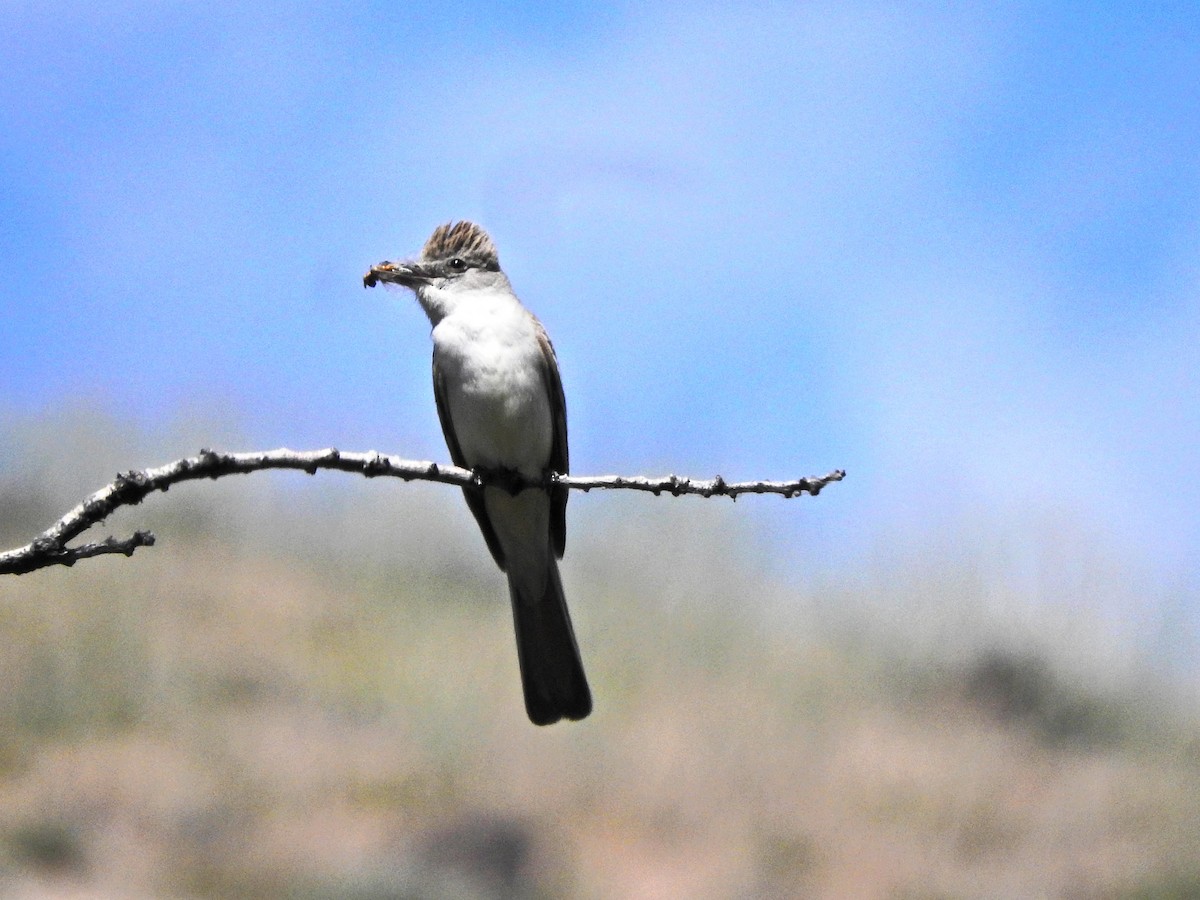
x=473 y=494
x=559 y=458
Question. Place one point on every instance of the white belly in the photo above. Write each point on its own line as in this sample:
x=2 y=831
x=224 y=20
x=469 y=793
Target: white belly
x=496 y=392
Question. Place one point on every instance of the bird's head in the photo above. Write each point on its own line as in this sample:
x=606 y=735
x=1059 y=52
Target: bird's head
x=457 y=256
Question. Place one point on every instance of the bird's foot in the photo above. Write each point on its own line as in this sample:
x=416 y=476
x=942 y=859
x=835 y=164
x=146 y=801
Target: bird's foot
x=502 y=477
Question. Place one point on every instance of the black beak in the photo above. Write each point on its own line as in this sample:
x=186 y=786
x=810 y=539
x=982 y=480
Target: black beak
x=408 y=274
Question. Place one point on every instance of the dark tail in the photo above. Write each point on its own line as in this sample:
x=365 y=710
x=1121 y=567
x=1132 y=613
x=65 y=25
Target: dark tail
x=551 y=670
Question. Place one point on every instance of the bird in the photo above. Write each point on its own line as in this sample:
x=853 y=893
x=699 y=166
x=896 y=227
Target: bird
x=503 y=414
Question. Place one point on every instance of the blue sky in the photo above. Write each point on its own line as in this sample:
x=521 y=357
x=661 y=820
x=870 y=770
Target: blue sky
x=953 y=250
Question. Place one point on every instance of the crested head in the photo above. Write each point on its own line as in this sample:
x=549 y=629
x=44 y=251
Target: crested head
x=465 y=240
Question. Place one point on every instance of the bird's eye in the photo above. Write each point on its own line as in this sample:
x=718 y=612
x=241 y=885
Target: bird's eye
x=457 y=264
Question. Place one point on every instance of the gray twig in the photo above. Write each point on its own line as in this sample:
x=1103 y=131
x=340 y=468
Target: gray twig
x=130 y=488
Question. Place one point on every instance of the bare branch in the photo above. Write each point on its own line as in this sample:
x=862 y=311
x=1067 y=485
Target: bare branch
x=45 y=554
x=712 y=487
x=130 y=488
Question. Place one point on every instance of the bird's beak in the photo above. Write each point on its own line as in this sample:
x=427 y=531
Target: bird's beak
x=408 y=274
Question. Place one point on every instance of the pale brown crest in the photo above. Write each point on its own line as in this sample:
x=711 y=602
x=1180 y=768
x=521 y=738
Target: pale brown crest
x=463 y=239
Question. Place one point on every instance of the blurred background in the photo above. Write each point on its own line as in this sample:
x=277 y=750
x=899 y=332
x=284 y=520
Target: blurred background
x=953 y=251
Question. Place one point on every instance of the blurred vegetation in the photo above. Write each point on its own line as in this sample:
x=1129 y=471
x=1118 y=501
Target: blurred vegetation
x=309 y=689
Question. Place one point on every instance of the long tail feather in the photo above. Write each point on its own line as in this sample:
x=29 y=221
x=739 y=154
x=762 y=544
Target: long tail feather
x=551 y=669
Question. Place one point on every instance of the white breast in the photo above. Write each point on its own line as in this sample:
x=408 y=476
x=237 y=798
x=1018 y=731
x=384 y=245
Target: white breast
x=489 y=356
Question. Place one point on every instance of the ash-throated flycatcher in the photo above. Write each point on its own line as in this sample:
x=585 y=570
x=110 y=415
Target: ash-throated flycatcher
x=501 y=404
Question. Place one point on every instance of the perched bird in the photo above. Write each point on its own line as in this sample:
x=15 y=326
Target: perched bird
x=501 y=404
